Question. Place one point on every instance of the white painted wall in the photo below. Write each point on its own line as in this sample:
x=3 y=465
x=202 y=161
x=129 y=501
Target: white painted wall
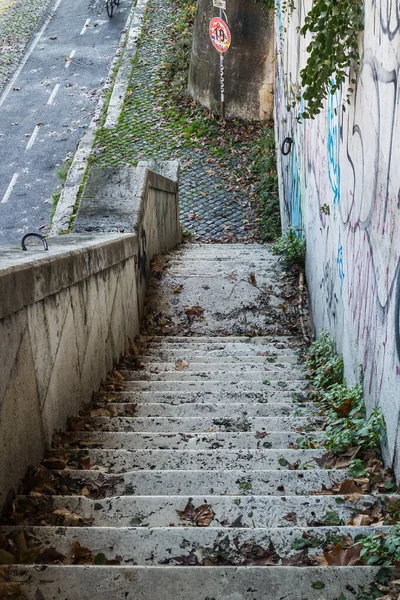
x=351 y=162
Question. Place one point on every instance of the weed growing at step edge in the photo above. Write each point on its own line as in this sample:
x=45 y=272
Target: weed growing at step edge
x=263 y=167
x=343 y=408
x=292 y=248
x=62 y=172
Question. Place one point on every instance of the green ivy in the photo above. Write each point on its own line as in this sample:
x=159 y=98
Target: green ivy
x=332 y=52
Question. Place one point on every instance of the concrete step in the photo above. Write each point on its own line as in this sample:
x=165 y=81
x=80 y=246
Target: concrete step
x=222 y=409
x=179 y=441
x=215 y=362
x=234 y=366
x=195 y=397
x=219 y=511
x=219 y=354
x=206 y=482
x=234 y=384
x=83 y=582
x=238 y=375
x=282 y=341
x=121 y=461
x=202 y=424
x=173 y=545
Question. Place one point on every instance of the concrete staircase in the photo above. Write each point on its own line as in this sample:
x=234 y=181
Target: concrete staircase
x=183 y=480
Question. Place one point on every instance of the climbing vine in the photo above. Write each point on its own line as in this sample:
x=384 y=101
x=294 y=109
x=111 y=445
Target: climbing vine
x=332 y=52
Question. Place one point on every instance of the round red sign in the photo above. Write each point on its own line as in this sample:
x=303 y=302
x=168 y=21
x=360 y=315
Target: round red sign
x=219 y=34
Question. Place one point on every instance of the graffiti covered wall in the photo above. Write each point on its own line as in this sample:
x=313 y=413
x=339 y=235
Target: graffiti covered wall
x=341 y=183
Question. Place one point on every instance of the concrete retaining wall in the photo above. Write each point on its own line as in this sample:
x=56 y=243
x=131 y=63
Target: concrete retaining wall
x=345 y=164
x=68 y=314
x=248 y=63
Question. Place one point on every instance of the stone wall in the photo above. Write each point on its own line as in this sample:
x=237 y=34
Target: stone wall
x=66 y=316
x=345 y=164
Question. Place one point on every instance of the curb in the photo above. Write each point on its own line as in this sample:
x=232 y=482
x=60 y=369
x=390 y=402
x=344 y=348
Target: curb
x=127 y=47
x=122 y=79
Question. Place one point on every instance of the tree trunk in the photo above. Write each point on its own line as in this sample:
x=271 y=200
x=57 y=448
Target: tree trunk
x=248 y=63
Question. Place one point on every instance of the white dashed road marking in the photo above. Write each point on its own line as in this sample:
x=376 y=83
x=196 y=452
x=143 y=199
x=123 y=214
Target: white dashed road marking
x=85 y=26
x=53 y=94
x=33 y=137
x=70 y=57
x=27 y=55
x=10 y=188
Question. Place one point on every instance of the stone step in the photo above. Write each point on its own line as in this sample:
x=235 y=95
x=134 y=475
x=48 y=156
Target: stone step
x=179 y=441
x=222 y=354
x=222 y=409
x=166 y=340
x=218 y=511
x=234 y=482
x=121 y=461
x=232 y=385
x=208 y=396
x=214 y=362
x=83 y=582
x=202 y=424
x=238 y=375
x=236 y=366
x=173 y=545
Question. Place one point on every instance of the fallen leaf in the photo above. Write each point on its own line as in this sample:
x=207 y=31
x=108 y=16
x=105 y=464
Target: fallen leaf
x=68 y=518
x=178 y=289
x=260 y=435
x=344 y=409
x=181 y=364
x=193 y=311
x=232 y=276
x=81 y=555
x=252 y=279
x=341 y=557
x=202 y=515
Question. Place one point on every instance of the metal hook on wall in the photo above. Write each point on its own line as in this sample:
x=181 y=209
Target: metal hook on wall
x=286 y=146
x=27 y=235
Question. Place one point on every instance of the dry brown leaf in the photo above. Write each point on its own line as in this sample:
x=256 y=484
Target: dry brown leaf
x=178 y=289
x=341 y=557
x=344 y=409
x=55 y=462
x=69 y=518
x=9 y=588
x=359 y=520
x=193 y=311
x=260 y=435
x=252 y=279
x=81 y=555
x=84 y=463
x=181 y=364
x=202 y=515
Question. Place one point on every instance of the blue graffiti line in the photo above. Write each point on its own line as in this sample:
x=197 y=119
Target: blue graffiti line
x=296 y=219
x=339 y=262
x=333 y=145
x=280 y=24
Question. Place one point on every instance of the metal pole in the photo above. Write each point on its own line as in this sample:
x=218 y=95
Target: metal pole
x=222 y=79
x=221 y=63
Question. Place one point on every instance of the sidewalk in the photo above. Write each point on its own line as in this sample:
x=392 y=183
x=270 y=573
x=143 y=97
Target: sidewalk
x=217 y=182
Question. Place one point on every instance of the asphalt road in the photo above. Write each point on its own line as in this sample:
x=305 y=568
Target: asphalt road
x=46 y=109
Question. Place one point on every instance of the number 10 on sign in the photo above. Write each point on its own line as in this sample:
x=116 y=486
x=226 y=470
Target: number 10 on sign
x=221 y=40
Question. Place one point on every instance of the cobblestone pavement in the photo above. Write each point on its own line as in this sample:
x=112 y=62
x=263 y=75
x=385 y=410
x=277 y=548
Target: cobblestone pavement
x=214 y=190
